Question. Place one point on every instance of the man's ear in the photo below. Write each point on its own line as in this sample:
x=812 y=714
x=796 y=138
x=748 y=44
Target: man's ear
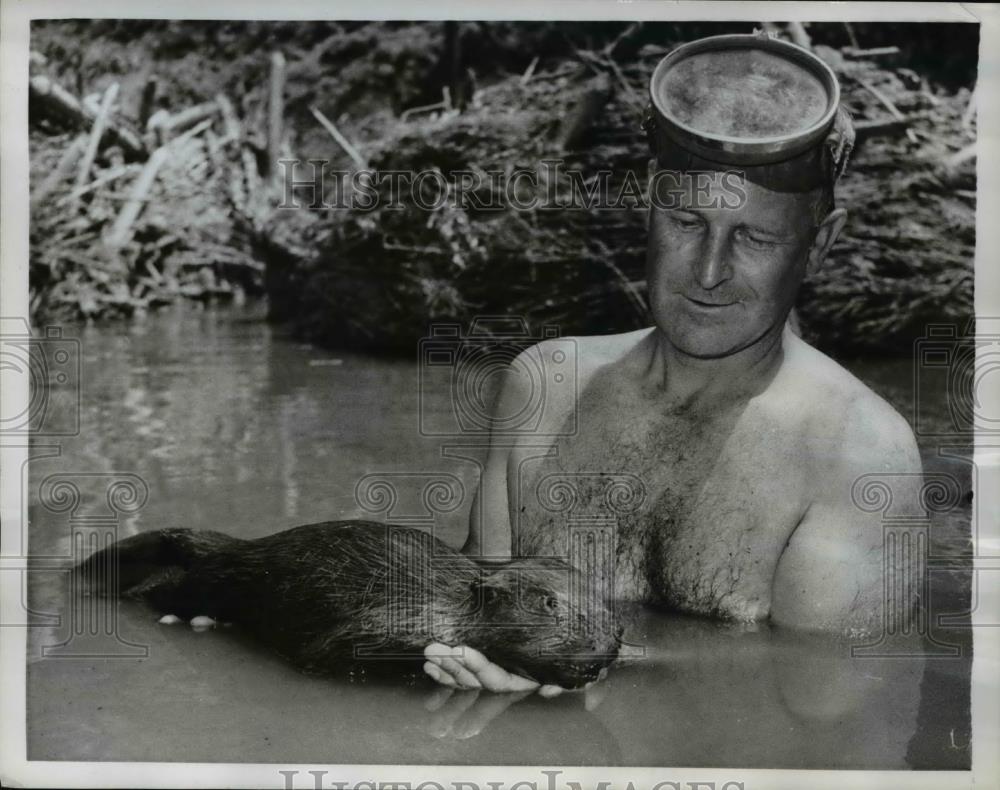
x=826 y=234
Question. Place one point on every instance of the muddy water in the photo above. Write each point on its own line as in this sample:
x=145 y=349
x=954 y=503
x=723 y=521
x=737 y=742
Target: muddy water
x=216 y=420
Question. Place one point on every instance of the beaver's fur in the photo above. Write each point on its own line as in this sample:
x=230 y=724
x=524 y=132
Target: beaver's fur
x=340 y=592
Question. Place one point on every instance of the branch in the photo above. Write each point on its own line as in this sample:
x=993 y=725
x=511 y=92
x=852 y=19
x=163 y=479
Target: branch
x=54 y=100
x=342 y=141
x=275 y=112
x=96 y=133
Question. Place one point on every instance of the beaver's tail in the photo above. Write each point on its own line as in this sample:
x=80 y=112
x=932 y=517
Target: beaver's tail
x=151 y=563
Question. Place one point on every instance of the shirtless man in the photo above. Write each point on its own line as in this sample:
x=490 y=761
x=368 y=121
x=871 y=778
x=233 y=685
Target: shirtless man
x=746 y=439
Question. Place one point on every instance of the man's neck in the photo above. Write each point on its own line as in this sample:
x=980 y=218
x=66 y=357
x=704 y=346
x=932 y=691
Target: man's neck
x=682 y=378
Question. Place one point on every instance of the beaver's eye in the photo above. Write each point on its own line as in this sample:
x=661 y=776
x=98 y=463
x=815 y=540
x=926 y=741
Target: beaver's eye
x=551 y=603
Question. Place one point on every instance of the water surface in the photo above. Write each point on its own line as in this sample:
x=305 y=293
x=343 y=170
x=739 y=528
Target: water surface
x=231 y=425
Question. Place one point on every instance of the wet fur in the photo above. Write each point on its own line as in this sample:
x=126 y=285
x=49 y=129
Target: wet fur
x=325 y=595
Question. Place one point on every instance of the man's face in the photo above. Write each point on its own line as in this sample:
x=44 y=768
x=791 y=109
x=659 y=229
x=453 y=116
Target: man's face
x=722 y=271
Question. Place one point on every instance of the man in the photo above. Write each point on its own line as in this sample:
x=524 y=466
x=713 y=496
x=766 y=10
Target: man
x=746 y=440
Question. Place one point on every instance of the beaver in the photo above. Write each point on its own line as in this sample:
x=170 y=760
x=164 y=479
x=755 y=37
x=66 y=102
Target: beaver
x=361 y=593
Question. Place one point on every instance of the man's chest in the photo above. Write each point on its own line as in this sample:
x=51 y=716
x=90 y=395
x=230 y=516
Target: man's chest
x=697 y=507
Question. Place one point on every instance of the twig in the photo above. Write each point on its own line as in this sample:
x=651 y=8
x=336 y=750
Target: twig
x=128 y=196
x=36 y=60
x=234 y=131
x=96 y=132
x=188 y=117
x=875 y=52
x=850 y=35
x=970 y=108
x=108 y=175
x=472 y=81
x=148 y=101
x=439 y=105
x=892 y=108
x=234 y=134
x=884 y=100
x=121 y=231
x=386 y=245
x=61 y=170
x=925 y=90
x=526 y=77
x=251 y=175
x=191 y=133
x=629 y=90
x=452 y=58
x=625 y=46
x=967 y=153
x=275 y=112
x=592 y=61
x=633 y=293
x=865 y=129
x=797 y=33
x=575 y=125
x=342 y=141
x=55 y=100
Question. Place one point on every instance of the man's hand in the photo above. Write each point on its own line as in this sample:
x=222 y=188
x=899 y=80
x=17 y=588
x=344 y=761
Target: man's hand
x=460 y=710
x=465 y=668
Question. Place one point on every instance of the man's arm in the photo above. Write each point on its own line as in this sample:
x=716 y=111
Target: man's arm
x=490 y=533
x=489 y=538
x=832 y=574
x=489 y=521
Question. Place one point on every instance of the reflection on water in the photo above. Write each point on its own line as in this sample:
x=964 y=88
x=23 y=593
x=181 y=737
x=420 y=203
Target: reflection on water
x=232 y=426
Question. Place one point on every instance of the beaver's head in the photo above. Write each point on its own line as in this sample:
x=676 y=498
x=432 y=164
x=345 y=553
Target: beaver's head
x=544 y=619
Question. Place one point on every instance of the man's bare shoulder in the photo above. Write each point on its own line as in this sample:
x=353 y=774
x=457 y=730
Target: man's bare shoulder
x=594 y=352
x=605 y=348
x=555 y=371
x=845 y=420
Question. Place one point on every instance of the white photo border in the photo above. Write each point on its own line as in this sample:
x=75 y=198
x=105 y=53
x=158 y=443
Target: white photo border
x=16 y=770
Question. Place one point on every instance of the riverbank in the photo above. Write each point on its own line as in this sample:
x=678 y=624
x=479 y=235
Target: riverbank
x=223 y=103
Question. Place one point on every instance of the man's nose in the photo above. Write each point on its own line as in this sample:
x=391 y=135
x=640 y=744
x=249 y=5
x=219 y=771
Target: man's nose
x=713 y=263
